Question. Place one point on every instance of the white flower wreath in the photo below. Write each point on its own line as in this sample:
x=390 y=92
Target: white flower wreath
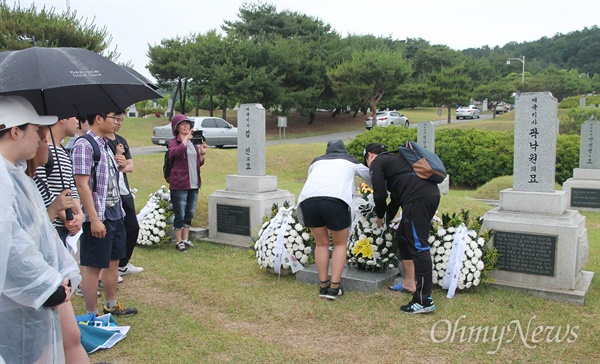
x=370 y=247
x=283 y=242
x=153 y=218
x=461 y=253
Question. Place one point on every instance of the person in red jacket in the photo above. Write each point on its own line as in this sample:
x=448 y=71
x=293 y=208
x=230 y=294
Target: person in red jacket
x=185 y=158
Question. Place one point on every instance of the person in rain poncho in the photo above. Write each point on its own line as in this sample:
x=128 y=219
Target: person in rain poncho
x=35 y=266
x=324 y=207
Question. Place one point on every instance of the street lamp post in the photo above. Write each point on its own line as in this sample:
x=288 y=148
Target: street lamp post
x=522 y=61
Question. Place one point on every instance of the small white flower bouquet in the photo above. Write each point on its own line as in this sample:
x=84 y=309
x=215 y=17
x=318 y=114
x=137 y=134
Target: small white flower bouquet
x=282 y=239
x=370 y=247
x=472 y=266
x=154 y=218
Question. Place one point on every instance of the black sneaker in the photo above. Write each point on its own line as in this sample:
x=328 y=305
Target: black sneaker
x=181 y=247
x=323 y=291
x=415 y=307
x=119 y=310
x=334 y=293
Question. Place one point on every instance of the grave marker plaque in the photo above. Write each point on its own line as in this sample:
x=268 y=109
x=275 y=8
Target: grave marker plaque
x=233 y=219
x=585 y=197
x=526 y=253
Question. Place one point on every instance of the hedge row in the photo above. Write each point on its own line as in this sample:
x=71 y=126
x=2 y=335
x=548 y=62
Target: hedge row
x=472 y=157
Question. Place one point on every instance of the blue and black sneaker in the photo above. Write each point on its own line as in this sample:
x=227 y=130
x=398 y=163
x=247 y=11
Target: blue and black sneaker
x=415 y=307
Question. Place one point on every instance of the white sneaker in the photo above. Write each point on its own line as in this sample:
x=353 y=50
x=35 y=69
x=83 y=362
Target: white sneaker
x=130 y=269
x=120 y=279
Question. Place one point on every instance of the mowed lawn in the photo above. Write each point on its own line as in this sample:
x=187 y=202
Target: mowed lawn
x=214 y=305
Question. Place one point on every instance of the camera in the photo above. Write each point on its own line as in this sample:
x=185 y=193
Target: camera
x=198 y=137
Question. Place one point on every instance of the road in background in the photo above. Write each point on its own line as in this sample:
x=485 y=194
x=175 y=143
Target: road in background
x=345 y=136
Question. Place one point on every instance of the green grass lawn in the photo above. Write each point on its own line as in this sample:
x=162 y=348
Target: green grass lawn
x=214 y=305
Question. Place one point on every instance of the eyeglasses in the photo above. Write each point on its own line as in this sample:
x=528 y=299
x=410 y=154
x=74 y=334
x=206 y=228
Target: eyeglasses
x=120 y=120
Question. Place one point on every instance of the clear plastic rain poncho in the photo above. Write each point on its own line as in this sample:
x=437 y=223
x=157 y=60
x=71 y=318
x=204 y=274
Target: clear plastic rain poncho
x=33 y=263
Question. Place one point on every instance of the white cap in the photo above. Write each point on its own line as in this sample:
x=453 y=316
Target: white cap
x=16 y=110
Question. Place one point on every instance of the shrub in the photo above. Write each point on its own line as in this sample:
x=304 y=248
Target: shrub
x=188 y=106
x=471 y=157
x=567 y=157
x=571 y=122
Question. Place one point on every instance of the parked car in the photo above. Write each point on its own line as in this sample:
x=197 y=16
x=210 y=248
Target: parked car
x=217 y=131
x=502 y=108
x=470 y=112
x=387 y=118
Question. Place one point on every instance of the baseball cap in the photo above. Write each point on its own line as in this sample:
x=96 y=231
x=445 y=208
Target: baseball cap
x=16 y=110
x=376 y=148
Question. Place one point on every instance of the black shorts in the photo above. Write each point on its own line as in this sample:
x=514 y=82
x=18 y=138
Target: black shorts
x=326 y=211
x=98 y=253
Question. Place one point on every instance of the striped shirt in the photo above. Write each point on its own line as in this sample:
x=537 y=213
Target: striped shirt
x=63 y=168
x=82 y=154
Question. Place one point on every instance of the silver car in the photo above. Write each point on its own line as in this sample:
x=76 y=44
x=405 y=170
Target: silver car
x=470 y=112
x=387 y=118
x=217 y=131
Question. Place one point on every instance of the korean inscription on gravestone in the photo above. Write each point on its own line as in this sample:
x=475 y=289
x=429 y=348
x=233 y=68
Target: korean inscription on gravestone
x=526 y=253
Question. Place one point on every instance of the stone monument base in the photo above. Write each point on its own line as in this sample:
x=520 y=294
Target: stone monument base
x=353 y=279
x=251 y=197
x=586 y=182
x=576 y=295
x=557 y=276
x=445 y=185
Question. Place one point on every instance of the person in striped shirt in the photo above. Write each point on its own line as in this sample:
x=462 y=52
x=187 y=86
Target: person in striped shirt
x=57 y=174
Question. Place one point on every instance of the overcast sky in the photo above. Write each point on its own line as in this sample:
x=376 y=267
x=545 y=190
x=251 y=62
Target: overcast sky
x=460 y=24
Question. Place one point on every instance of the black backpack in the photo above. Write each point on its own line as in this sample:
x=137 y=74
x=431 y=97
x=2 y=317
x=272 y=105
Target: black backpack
x=95 y=156
x=167 y=167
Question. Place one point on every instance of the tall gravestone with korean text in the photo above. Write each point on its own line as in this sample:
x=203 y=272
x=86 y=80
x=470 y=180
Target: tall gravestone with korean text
x=542 y=245
x=426 y=138
x=583 y=190
x=236 y=213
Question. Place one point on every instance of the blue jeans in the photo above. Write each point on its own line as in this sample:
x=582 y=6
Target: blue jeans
x=184 y=207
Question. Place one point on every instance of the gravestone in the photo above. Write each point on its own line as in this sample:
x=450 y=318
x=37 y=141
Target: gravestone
x=169 y=108
x=426 y=138
x=582 y=101
x=583 y=190
x=236 y=213
x=542 y=245
x=132 y=113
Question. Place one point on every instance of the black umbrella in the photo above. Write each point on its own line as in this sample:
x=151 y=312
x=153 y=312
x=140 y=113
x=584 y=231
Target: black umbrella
x=70 y=81
x=140 y=77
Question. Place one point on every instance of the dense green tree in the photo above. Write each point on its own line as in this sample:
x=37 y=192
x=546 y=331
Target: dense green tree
x=370 y=75
x=20 y=28
x=561 y=83
x=495 y=92
x=450 y=86
x=169 y=64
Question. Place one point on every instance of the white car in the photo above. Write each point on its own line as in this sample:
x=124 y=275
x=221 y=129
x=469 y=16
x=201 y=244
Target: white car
x=387 y=118
x=216 y=131
x=465 y=112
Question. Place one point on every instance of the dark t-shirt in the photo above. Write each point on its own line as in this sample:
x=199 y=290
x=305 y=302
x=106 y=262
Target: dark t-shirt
x=112 y=144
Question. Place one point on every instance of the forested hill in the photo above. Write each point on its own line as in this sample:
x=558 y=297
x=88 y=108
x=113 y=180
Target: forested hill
x=578 y=50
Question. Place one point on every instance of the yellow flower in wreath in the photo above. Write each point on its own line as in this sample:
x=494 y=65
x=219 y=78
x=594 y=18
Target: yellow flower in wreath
x=363 y=246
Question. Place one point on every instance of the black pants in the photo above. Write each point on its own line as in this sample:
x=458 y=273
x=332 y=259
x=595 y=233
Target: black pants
x=132 y=228
x=412 y=239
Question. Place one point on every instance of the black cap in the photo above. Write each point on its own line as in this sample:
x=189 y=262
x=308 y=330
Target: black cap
x=376 y=148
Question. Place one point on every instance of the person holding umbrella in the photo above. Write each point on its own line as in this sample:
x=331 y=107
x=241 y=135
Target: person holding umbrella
x=57 y=174
x=37 y=269
x=103 y=239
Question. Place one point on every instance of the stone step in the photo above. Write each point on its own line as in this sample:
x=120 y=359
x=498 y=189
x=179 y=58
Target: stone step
x=354 y=279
